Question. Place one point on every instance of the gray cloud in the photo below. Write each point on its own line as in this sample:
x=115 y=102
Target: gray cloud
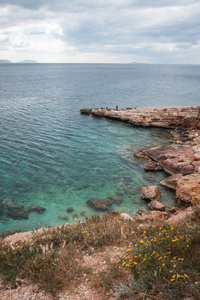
x=149 y=28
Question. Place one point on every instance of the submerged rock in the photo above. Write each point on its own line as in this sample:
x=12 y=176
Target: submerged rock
x=37 y=209
x=130 y=191
x=150 y=193
x=99 y=204
x=116 y=198
x=63 y=217
x=17 y=212
x=70 y=209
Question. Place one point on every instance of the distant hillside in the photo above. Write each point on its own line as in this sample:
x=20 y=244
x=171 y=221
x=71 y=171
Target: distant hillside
x=27 y=62
x=5 y=61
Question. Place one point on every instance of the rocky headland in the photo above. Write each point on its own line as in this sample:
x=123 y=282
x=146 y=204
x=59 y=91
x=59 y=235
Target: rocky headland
x=180 y=158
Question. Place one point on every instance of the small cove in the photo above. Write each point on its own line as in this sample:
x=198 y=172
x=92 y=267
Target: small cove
x=54 y=157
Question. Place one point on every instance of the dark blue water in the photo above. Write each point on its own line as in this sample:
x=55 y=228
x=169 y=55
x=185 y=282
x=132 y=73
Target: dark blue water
x=54 y=157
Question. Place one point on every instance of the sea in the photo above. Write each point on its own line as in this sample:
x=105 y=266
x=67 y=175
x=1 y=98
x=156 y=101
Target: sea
x=53 y=157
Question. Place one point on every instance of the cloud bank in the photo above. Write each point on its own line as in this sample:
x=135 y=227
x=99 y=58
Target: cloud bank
x=109 y=31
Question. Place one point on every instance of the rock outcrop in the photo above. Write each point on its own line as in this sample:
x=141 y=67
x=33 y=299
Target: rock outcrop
x=150 y=193
x=156 y=205
x=171 y=181
x=188 y=190
x=168 y=117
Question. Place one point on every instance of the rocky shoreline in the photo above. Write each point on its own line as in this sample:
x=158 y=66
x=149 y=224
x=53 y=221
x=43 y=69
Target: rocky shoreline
x=180 y=158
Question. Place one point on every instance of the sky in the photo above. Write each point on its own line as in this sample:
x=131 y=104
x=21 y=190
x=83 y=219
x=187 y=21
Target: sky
x=100 y=31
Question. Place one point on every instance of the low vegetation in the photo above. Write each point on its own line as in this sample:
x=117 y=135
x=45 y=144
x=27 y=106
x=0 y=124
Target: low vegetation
x=159 y=261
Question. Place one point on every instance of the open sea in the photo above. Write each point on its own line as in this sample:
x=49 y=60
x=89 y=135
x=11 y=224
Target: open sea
x=53 y=157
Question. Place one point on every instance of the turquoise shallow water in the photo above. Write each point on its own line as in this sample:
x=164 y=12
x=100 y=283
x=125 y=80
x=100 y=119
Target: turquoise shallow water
x=54 y=157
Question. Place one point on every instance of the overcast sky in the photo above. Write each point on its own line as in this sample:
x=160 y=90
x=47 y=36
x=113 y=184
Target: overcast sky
x=100 y=31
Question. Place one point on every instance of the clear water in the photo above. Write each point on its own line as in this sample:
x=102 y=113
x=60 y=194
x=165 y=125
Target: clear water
x=54 y=157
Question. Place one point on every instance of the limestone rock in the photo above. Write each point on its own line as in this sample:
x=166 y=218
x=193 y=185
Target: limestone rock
x=99 y=204
x=188 y=190
x=150 y=193
x=156 y=205
x=171 y=181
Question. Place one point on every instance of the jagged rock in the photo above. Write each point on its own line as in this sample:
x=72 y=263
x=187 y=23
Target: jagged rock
x=70 y=209
x=150 y=193
x=188 y=190
x=152 y=167
x=116 y=198
x=156 y=205
x=99 y=204
x=171 y=181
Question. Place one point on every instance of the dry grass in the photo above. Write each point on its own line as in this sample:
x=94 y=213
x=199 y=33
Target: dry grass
x=157 y=262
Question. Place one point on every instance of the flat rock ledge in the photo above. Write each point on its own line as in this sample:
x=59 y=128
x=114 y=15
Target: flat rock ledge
x=168 y=117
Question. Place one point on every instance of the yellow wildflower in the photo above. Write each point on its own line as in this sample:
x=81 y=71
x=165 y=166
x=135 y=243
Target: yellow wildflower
x=185 y=275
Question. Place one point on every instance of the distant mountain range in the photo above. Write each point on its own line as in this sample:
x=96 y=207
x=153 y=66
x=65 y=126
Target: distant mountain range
x=6 y=61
